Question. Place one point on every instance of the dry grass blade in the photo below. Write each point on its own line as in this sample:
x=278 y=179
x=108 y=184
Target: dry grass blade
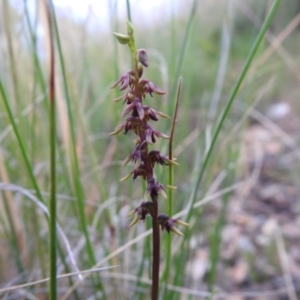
x=78 y=274
x=35 y=200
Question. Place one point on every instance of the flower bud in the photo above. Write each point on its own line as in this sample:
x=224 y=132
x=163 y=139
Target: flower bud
x=140 y=69
x=130 y=29
x=143 y=57
x=122 y=38
x=169 y=224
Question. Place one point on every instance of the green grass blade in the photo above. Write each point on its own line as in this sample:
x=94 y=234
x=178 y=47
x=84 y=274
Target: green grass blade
x=20 y=142
x=52 y=135
x=221 y=121
x=226 y=111
x=37 y=65
x=166 y=273
x=75 y=164
x=128 y=10
x=182 y=52
x=220 y=223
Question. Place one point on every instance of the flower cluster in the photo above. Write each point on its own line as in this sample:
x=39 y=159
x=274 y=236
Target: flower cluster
x=138 y=121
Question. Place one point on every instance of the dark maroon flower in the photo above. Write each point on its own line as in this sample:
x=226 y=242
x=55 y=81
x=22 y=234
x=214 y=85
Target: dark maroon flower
x=129 y=96
x=149 y=87
x=149 y=113
x=150 y=134
x=154 y=188
x=140 y=171
x=130 y=124
x=125 y=80
x=169 y=224
x=152 y=114
x=156 y=157
x=136 y=108
x=141 y=212
x=135 y=156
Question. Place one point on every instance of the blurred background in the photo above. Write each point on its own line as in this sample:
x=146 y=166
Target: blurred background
x=243 y=240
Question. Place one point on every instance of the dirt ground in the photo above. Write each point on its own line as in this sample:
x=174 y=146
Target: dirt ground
x=260 y=256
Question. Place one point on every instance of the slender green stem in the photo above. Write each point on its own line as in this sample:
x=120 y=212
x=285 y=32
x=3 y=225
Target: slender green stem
x=36 y=61
x=231 y=99
x=128 y=10
x=20 y=142
x=223 y=117
x=7 y=28
x=76 y=180
x=171 y=182
x=75 y=164
x=13 y=237
x=183 y=48
x=221 y=220
x=52 y=134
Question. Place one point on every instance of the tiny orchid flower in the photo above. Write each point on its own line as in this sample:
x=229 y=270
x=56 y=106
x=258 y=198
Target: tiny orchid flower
x=157 y=157
x=125 y=80
x=130 y=124
x=154 y=188
x=135 y=156
x=141 y=212
x=152 y=114
x=150 y=134
x=169 y=224
x=149 y=88
x=136 y=108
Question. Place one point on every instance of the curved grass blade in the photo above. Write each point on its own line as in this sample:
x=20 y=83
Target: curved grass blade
x=75 y=164
x=52 y=135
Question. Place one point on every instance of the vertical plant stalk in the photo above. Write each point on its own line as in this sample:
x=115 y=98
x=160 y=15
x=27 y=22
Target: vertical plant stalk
x=183 y=47
x=156 y=250
x=52 y=134
x=171 y=183
x=227 y=108
x=128 y=10
x=139 y=123
x=77 y=185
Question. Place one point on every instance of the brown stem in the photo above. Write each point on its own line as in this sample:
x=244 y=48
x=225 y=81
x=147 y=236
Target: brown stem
x=155 y=251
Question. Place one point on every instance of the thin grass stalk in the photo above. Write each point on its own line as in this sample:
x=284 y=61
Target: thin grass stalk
x=20 y=142
x=52 y=135
x=222 y=66
x=36 y=61
x=12 y=235
x=173 y=37
x=16 y=130
x=128 y=10
x=24 y=155
x=7 y=29
x=234 y=92
x=221 y=221
x=182 y=50
x=171 y=183
x=41 y=81
x=224 y=115
x=144 y=253
x=74 y=159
